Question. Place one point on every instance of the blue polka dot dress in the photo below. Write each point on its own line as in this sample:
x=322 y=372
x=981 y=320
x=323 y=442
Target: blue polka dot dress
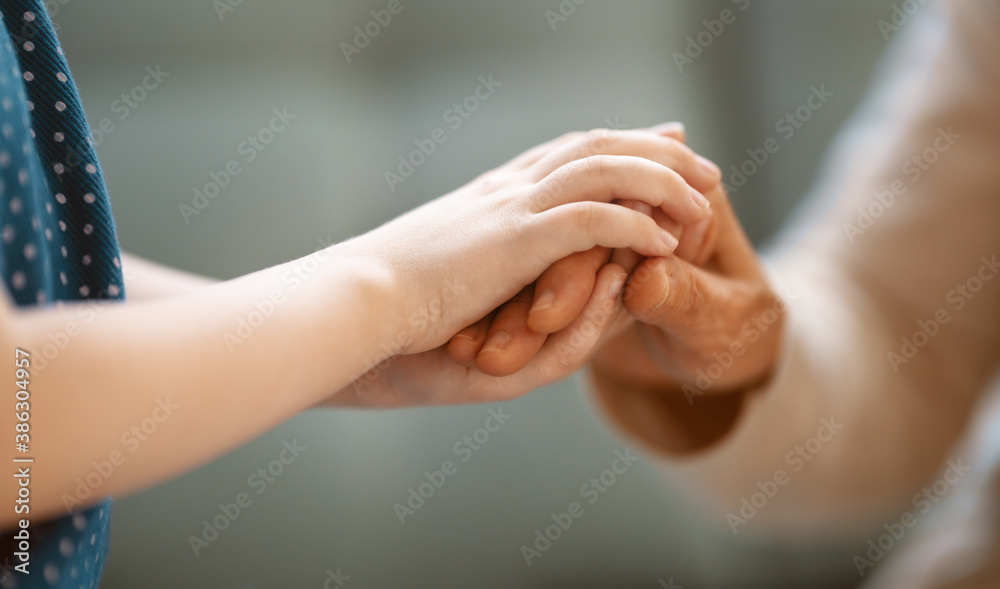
x=57 y=243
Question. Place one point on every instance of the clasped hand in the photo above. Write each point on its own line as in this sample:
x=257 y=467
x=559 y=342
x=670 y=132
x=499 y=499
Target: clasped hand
x=578 y=220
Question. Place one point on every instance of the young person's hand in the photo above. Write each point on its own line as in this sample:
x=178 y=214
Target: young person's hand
x=505 y=341
x=456 y=259
x=452 y=261
x=433 y=377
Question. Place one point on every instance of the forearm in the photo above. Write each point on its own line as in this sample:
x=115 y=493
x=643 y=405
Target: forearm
x=851 y=436
x=212 y=369
x=146 y=280
x=882 y=265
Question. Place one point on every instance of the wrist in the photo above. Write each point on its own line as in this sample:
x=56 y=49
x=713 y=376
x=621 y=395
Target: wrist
x=336 y=304
x=408 y=295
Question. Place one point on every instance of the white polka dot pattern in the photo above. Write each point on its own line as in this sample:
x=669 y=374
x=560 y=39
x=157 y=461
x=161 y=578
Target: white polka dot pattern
x=57 y=239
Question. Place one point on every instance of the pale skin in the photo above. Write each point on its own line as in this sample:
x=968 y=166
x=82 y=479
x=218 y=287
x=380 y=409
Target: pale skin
x=167 y=341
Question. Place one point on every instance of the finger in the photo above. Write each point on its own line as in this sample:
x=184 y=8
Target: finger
x=563 y=352
x=531 y=156
x=568 y=349
x=464 y=346
x=670 y=293
x=696 y=242
x=696 y=170
x=731 y=252
x=511 y=344
x=604 y=178
x=576 y=227
x=627 y=258
x=674 y=130
x=665 y=222
x=563 y=290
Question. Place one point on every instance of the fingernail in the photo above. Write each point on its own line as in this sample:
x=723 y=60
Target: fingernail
x=709 y=166
x=617 y=282
x=671 y=128
x=468 y=333
x=544 y=301
x=668 y=239
x=666 y=287
x=641 y=207
x=497 y=342
x=700 y=199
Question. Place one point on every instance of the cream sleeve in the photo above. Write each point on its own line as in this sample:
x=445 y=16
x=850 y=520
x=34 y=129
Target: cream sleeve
x=893 y=281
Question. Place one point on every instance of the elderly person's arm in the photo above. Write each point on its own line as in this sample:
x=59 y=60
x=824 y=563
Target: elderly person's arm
x=892 y=327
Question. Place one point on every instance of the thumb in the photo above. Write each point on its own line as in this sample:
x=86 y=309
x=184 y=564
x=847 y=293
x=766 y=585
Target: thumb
x=671 y=292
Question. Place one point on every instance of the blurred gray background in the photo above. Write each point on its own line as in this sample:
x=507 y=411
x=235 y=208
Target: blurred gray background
x=322 y=179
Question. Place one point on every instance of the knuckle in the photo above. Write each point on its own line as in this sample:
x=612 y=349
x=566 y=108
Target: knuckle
x=690 y=300
x=599 y=166
x=548 y=191
x=512 y=226
x=491 y=181
x=583 y=217
x=597 y=141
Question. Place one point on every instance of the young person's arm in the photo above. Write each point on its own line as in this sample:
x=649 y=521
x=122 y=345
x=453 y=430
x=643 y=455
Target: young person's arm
x=147 y=280
x=224 y=363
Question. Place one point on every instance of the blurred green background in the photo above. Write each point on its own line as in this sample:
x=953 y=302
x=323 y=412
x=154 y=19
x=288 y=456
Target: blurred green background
x=321 y=179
